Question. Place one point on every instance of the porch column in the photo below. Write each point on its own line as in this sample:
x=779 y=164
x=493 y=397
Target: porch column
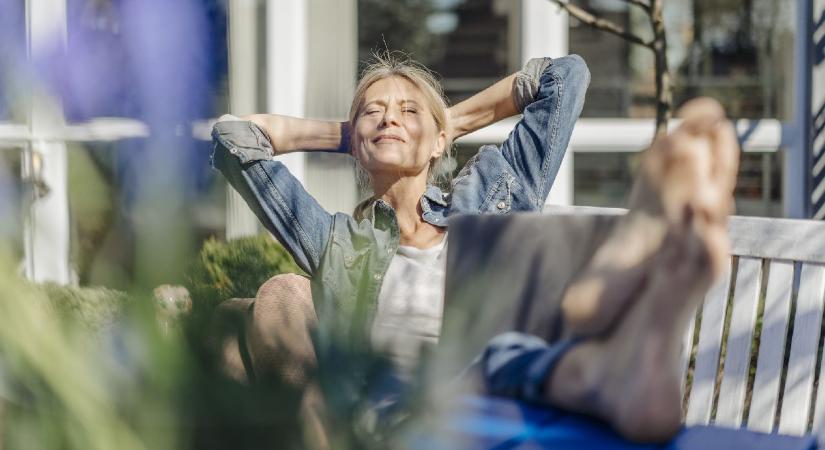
x=545 y=33
x=286 y=63
x=243 y=99
x=332 y=62
x=46 y=231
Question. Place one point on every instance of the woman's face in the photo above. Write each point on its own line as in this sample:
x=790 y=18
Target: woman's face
x=395 y=133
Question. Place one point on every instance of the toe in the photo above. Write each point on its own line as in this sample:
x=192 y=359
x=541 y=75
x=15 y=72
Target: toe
x=726 y=156
x=701 y=110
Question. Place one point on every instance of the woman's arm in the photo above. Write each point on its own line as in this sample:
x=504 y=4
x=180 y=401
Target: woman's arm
x=291 y=134
x=487 y=107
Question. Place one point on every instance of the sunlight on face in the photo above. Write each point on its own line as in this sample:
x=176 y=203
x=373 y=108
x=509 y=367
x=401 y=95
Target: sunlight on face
x=394 y=131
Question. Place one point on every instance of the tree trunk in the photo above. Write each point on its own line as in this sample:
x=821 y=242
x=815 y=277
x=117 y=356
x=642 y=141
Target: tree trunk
x=664 y=91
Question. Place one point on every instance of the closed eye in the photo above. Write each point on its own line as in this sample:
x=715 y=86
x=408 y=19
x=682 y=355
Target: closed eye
x=410 y=110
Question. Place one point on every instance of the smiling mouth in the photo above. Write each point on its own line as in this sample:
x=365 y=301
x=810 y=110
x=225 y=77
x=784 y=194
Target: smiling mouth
x=385 y=137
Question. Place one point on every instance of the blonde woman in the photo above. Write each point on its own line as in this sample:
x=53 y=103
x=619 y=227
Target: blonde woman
x=376 y=278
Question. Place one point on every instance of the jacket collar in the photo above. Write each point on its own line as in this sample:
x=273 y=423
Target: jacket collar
x=435 y=194
x=366 y=209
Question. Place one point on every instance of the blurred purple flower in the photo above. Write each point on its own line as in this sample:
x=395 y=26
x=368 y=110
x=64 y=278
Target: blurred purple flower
x=146 y=59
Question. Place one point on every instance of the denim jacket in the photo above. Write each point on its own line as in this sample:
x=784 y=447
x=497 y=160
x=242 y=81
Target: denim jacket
x=347 y=257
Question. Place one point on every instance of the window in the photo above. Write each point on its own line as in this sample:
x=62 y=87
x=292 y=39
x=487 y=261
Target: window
x=12 y=48
x=606 y=178
x=470 y=43
x=736 y=51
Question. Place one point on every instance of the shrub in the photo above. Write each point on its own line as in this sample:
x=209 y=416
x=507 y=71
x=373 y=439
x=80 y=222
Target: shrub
x=93 y=307
x=235 y=269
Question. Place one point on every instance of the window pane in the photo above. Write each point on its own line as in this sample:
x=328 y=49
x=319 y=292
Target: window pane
x=736 y=51
x=468 y=42
x=11 y=197
x=12 y=58
x=605 y=179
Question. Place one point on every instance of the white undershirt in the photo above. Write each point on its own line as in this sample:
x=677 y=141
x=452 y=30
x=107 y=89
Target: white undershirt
x=410 y=304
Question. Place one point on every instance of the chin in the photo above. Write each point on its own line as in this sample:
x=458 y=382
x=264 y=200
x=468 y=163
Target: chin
x=385 y=159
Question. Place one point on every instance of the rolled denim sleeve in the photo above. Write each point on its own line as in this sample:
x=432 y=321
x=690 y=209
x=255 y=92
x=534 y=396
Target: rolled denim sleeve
x=245 y=157
x=517 y=365
x=550 y=93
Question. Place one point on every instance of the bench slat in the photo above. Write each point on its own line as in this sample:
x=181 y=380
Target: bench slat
x=731 y=403
x=796 y=401
x=687 y=346
x=789 y=239
x=771 y=347
x=707 y=355
x=819 y=409
x=759 y=237
x=783 y=242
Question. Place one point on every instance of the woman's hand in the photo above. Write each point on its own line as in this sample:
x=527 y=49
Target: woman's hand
x=270 y=124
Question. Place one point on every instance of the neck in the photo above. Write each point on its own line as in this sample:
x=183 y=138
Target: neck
x=404 y=195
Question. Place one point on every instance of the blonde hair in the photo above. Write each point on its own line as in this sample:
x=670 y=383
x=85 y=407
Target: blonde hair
x=396 y=64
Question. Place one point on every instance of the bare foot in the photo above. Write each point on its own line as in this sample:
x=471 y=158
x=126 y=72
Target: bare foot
x=630 y=378
x=674 y=241
x=686 y=180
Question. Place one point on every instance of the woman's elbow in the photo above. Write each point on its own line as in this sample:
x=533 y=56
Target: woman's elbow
x=574 y=69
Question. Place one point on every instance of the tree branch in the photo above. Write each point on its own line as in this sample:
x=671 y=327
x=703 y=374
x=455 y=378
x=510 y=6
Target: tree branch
x=602 y=24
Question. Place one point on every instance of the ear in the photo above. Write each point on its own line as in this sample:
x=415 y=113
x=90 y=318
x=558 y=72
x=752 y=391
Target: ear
x=440 y=142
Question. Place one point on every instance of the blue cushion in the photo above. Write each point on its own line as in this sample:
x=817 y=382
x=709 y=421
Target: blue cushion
x=496 y=423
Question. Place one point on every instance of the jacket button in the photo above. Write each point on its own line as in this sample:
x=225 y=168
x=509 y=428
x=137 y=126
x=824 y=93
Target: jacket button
x=377 y=276
x=501 y=205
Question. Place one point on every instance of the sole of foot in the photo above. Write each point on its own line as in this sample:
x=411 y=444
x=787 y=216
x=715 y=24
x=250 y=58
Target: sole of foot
x=627 y=372
x=631 y=378
x=685 y=181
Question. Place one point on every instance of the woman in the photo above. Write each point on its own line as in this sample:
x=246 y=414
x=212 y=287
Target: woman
x=377 y=276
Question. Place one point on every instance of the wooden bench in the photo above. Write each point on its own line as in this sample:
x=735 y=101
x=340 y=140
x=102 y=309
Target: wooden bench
x=754 y=350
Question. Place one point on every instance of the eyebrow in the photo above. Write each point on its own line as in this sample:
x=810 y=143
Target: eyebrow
x=383 y=103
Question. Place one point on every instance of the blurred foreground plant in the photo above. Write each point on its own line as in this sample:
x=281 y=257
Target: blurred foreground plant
x=49 y=380
x=94 y=308
x=89 y=369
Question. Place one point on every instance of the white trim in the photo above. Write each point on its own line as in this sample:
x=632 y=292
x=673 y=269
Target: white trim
x=103 y=129
x=544 y=32
x=590 y=135
x=286 y=58
x=13 y=135
x=46 y=229
x=633 y=135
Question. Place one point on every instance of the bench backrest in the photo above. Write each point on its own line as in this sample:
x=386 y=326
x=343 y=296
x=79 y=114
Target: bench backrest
x=753 y=354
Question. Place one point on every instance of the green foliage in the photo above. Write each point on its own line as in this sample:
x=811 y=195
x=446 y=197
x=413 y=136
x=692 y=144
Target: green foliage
x=127 y=387
x=235 y=269
x=93 y=308
x=54 y=391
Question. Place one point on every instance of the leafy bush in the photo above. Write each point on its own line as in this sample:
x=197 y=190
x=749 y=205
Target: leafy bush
x=236 y=269
x=92 y=307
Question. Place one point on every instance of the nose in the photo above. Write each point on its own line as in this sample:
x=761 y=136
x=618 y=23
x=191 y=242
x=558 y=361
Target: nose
x=390 y=118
